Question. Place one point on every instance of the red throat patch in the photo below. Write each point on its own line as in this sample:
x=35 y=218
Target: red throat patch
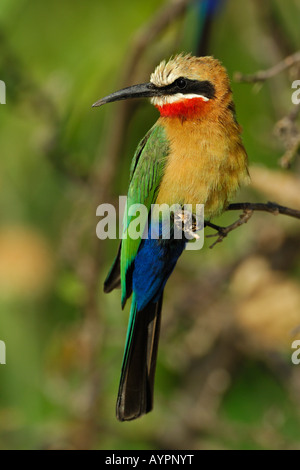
x=186 y=108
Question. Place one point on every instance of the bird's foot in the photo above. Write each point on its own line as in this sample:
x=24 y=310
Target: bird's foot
x=188 y=222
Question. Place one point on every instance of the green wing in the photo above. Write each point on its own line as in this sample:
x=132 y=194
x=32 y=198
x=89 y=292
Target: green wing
x=146 y=172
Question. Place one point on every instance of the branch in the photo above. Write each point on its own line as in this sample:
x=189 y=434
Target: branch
x=271 y=207
x=290 y=155
x=248 y=208
x=222 y=232
x=263 y=75
x=286 y=128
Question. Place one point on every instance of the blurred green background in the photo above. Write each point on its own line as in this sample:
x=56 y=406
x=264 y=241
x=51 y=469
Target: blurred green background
x=225 y=379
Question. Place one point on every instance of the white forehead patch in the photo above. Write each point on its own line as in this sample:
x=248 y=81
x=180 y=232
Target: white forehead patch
x=168 y=99
x=165 y=73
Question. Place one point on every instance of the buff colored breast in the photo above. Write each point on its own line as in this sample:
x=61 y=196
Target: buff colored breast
x=206 y=165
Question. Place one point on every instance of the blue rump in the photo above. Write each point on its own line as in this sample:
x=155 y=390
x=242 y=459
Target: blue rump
x=153 y=265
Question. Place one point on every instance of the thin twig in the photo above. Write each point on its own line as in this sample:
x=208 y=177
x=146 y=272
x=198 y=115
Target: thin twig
x=263 y=75
x=293 y=115
x=271 y=207
x=222 y=232
x=291 y=153
x=287 y=130
x=248 y=208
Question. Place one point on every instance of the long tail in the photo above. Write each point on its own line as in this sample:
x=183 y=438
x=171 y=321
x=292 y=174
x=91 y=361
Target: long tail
x=136 y=388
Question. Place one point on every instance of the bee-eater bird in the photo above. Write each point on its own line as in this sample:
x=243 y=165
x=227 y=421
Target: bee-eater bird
x=192 y=155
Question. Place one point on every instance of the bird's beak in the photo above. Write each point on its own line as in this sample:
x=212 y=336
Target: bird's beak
x=144 y=90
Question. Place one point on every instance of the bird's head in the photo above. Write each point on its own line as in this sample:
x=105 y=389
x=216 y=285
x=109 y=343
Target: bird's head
x=185 y=86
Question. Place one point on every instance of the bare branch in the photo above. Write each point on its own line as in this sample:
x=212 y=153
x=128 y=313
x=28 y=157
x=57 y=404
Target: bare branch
x=222 y=232
x=263 y=75
x=287 y=130
x=271 y=207
x=289 y=156
x=248 y=208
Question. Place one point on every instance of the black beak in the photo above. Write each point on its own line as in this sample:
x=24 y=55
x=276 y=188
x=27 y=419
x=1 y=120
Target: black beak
x=144 y=90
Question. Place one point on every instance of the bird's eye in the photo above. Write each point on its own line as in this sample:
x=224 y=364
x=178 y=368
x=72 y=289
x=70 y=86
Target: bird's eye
x=181 y=83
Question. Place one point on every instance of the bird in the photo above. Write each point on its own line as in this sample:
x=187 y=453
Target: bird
x=193 y=154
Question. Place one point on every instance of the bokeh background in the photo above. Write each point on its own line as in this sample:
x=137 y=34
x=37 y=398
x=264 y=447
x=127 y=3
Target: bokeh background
x=225 y=379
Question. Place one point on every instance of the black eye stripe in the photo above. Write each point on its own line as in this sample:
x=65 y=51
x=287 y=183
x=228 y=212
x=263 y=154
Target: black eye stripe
x=197 y=87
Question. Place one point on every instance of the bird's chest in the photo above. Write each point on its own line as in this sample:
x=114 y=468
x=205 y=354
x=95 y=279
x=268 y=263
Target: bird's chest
x=196 y=170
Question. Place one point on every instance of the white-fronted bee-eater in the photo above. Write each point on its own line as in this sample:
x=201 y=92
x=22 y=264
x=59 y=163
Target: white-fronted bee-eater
x=192 y=155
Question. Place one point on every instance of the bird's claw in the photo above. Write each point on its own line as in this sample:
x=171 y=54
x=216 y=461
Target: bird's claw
x=188 y=222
